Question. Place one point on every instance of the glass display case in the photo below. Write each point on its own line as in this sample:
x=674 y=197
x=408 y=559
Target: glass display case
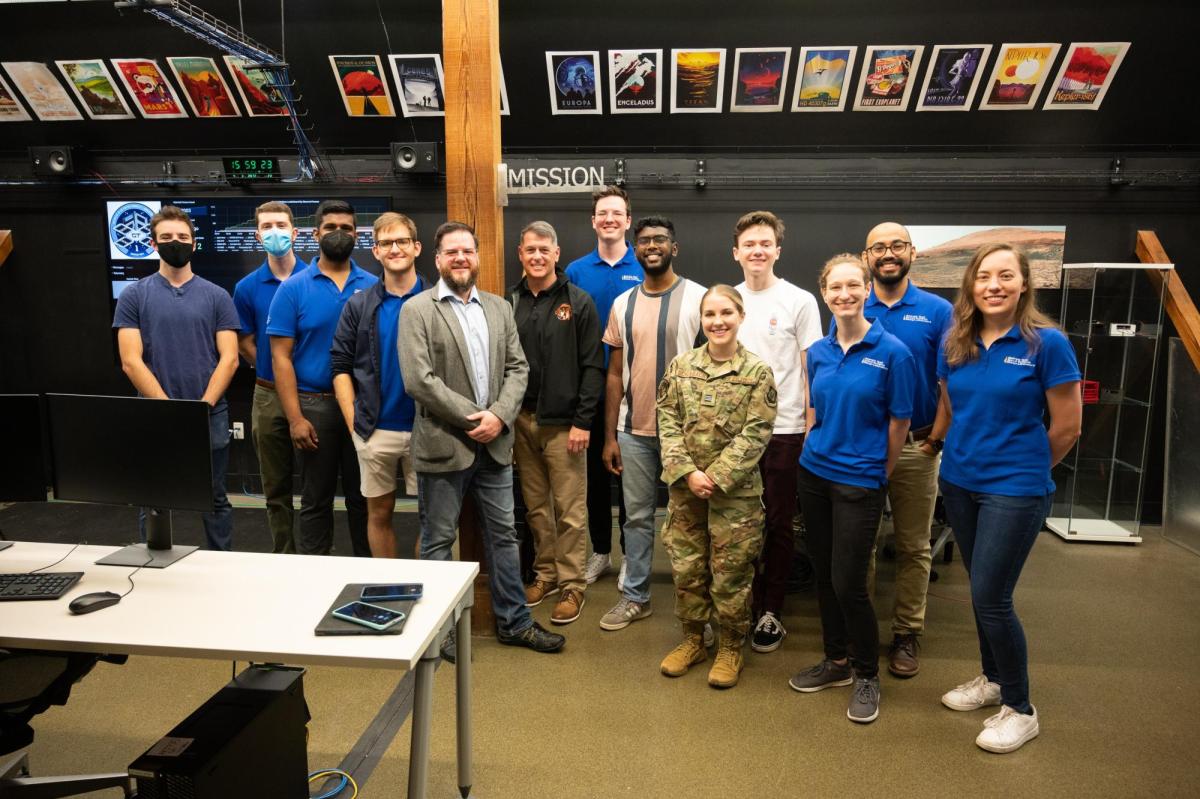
x=1113 y=315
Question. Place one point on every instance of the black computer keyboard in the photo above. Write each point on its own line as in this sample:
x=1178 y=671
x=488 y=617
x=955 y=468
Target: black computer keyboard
x=42 y=585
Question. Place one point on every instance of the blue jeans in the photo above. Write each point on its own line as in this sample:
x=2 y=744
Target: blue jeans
x=642 y=463
x=996 y=534
x=218 y=524
x=439 y=503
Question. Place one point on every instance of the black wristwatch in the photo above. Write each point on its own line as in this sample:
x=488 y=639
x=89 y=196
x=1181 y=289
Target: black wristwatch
x=935 y=444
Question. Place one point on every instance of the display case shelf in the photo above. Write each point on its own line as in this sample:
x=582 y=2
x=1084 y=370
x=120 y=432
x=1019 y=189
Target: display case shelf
x=1113 y=315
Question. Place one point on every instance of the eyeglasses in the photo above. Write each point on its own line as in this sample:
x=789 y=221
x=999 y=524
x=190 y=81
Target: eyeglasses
x=645 y=241
x=897 y=248
x=387 y=244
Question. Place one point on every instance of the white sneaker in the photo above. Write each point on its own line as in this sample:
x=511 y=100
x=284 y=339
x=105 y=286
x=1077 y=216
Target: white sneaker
x=1008 y=730
x=598 y=565
x=621 y=575
x=977 y=693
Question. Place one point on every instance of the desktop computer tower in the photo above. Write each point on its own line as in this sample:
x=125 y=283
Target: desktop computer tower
x=249 y=740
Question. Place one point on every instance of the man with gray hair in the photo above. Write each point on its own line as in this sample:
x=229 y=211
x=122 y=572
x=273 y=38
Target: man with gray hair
x=560 y=334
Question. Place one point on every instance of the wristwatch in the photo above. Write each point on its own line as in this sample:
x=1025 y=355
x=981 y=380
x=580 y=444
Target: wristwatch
x=935 y=444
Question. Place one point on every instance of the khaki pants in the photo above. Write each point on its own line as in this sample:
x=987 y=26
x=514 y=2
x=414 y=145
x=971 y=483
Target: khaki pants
x=273 y=445
x=554 y=484
x=912 y=490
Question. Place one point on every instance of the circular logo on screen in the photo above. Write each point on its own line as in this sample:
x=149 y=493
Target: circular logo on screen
x=129 y=230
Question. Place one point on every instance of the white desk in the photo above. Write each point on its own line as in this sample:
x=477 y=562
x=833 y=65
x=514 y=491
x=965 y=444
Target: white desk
x=259 y=607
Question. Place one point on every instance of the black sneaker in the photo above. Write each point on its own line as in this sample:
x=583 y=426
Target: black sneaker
x=825 y=674
x=768 y=633
x=864 y=700
x=449 y=648
x=535 y=637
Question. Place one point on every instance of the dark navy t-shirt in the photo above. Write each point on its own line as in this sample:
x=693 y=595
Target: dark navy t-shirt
x=856 y=394
x=179 y=330
x=997 y=443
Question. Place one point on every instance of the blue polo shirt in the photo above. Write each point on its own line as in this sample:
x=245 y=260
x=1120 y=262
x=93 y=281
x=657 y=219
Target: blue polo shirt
x=398 y=409
x=856 y=394
x=179 y=330
x=920 y=319
x=306 y=308
x=605 y=283
x=997 y=443
x=252 y=297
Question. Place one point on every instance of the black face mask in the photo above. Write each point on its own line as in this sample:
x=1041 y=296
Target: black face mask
x=175 y=253
x=337 y=246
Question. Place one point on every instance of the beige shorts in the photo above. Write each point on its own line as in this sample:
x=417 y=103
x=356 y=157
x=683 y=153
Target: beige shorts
x=379 y=460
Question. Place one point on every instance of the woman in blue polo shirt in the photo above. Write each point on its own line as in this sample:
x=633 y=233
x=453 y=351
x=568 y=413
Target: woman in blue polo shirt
x=862 y=381
x=1003 y=365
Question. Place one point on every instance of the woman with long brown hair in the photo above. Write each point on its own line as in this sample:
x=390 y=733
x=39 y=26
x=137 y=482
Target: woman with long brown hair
x=1002 y=367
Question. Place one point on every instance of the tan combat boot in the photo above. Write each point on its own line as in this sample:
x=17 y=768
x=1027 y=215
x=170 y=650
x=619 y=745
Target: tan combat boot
x=688 y=653
x=728 y=663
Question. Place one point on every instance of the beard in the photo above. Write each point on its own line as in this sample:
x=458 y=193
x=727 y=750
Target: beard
x=891 y=280
x=663 y=265
x=459 y=285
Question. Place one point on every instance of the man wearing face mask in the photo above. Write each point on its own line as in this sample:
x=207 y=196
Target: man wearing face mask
x=301 y=324
x=177 y=336
x=252 y=296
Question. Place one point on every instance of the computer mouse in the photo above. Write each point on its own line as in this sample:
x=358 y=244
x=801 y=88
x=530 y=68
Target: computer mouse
x=89 y=603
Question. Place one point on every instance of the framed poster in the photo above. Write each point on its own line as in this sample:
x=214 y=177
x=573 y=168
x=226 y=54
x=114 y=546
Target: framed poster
x=953 y=77
x=44 y=94
x=256 y=88
x=573 y=85
x=1086 y=73
x=888 y=75
x=363 y=86
x=635 y=81
x=11 y=109
x=1018 y=76
x=823 y=75
x=697 y=81
x=759 y=78
x=504 y=111
x=204 y=87
x=95 y=89
x=152 y=93
x=420 y=84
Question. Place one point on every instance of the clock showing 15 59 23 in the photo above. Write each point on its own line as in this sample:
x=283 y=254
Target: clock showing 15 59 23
x=252 y=168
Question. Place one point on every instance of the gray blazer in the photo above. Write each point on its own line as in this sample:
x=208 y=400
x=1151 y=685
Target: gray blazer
x=434 y=362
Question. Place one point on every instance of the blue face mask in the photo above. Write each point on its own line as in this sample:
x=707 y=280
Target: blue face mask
x=277 y=242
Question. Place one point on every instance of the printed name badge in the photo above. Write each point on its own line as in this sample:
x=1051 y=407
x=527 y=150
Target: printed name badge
x=708 y=398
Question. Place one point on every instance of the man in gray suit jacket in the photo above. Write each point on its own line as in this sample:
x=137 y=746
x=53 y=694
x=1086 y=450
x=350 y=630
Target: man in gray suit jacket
x=461 y=360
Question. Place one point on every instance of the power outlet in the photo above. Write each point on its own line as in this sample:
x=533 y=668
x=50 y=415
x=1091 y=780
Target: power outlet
x=239 y=430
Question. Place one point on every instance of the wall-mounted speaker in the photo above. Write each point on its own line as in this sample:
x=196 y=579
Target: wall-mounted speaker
x=417 y=156
x=53 y=162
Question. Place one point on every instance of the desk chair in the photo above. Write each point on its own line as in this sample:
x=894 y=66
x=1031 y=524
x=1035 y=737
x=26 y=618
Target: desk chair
x=30 y=682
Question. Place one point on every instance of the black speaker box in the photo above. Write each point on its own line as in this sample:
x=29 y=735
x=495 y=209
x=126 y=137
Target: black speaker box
x=56 y=161
x=417 y=156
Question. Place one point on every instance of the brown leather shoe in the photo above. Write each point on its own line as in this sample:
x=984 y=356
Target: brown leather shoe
x=568 y=608
x=534 y=594
x=902 y=656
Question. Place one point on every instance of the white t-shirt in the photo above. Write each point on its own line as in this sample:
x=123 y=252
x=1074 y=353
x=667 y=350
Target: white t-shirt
x=781 y=322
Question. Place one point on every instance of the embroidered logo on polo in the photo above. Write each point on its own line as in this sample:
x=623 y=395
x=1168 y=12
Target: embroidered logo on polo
x=634 y=278
x=563 y=312
x=1012 y=361
x=916 y=317
x=876 y=363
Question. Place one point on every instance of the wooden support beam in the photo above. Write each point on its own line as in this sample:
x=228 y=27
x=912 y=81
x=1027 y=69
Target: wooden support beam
x=471 y=54
x=1180 y=307
x=6 y=245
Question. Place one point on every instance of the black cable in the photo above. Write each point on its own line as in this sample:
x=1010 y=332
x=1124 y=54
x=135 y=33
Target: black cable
x=387 y=40
x=60 y=560
x=129 y=576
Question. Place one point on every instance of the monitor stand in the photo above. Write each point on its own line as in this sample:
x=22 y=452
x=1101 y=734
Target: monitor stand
x=157 y=552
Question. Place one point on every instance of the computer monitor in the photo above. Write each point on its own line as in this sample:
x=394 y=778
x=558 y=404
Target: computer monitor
x=150 y=453
x=23 y=465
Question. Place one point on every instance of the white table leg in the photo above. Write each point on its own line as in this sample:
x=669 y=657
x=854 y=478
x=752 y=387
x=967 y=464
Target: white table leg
x=418 y=758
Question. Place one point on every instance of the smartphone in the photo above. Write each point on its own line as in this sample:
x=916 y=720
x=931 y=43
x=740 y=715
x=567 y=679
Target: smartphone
x=373 y=616
x=392 y=592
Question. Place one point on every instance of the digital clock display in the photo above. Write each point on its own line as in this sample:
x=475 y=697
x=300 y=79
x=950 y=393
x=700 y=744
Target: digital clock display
x=252 y=168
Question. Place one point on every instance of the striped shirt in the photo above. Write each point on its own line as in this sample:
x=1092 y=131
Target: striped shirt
x=650 y=330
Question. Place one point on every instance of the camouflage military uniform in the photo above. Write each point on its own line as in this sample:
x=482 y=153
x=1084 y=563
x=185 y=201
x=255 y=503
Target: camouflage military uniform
x=715 y=418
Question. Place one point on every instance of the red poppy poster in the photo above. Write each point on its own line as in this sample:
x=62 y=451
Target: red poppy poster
x=1085 y=75
x=154 y=97
x=363 y=86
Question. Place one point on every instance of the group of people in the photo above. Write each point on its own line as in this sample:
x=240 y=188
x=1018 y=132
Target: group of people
x=619 y=371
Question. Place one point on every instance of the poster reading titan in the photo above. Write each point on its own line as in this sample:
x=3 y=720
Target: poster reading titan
x=634 y=81
x=1018 y=76
x=1085 y=75
x=887 y=78
x=572 y=76
x=698 y=81
x=824 y=73
x=953 y=77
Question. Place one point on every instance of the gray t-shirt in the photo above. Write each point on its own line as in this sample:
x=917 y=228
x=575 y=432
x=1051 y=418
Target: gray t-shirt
x=179 y=329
